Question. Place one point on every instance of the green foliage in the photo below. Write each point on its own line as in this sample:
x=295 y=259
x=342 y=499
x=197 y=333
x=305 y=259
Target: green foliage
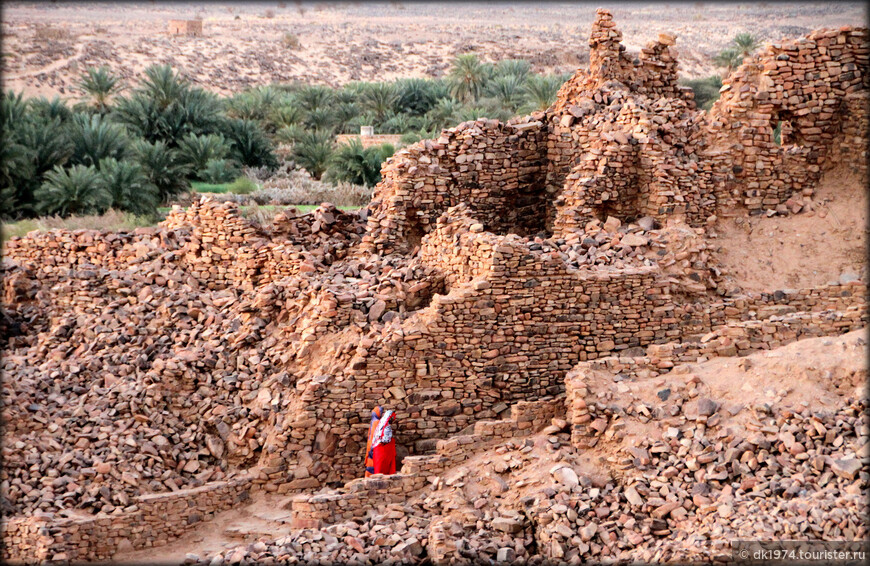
x=353 y=164
x=311 y=97
x=422 y=134
x=508 y=90
x=517 y=67
x=467 y=77
x=320 y=118
x=166 y=131
x=163 y=85
x=195 y=151
x=313 y=151
x=129 y=187
x=742 y=46
x=706 y=90
x=380 y=99
x=75 y=190
x=99 y=84
x=166 y=108
x=248 y=144
x=218 y=171
x=540 y=90
x=242 y=186
x=289 y=134
x=94 y=138
x=729 y=58
x=12 y=110
x=47 y=141
x=163 y=166
x=418 y=96
x=442 y=114
x=50 y=109
x=282 y=116
x=745 y=43
x=16 y=166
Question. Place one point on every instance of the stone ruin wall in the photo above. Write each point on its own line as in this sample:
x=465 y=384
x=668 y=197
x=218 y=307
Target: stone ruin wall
x=496 y=168
x=624 y=139
x=817 y=88
x=217 y=246
x=514 y=322
x=159 y=519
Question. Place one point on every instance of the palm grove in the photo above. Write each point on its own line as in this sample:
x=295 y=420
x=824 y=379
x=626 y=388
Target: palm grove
x=136 y=149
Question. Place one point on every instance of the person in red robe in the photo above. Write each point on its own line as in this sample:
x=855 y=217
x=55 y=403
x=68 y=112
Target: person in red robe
x=381 y=446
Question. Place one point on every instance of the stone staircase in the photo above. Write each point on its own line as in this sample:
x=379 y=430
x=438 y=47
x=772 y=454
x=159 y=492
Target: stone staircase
x=361 y=496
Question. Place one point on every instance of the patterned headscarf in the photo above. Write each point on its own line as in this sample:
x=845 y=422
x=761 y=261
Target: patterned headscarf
x=384 y=432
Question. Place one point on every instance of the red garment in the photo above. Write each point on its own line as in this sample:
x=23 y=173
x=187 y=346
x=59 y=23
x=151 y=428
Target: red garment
x=380 y=446
x=385 y=457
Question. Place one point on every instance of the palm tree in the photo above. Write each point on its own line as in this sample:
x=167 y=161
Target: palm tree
x=129 y=186
x=100 y=84
x=77 y=190
x=541 y=90
x=353 y=164
x=285 y=115
x=417 y=96
x=313 y=151
x=94 y=138
x=248 y=144
x=507 y=90
x=380 y=99
x=163 y=167
x=321 y=118
x=50 y=109
x=746 y=44
x=441 y=115
x=196 y=150
x=163 y=85
x=729 y=58
x=467 y=77
x=742 y=46
x=311 y=97
x=518 y=67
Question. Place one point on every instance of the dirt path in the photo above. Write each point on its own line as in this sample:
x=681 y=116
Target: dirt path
x=57 y=65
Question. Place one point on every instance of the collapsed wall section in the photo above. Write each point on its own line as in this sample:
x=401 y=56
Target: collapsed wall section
x=515 y=320
x=814 y=91
x=498 y=169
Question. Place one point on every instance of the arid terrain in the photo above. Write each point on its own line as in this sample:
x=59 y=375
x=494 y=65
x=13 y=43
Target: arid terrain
x=46 y=46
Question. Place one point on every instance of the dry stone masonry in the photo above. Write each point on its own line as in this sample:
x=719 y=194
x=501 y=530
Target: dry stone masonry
x=159 y=376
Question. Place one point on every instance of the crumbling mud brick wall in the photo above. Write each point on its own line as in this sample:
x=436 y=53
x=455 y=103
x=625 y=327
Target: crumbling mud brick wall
x=158 y=519
x=814 y=89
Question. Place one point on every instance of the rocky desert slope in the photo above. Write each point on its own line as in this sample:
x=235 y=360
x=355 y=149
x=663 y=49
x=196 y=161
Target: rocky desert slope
x=583 y=364
x=47 y=46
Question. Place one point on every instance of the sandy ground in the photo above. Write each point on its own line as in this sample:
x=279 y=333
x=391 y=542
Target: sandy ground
x=46 y=46
x=803 y=250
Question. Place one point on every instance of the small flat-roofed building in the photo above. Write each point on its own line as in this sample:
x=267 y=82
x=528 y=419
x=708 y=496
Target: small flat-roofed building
x=185 y=27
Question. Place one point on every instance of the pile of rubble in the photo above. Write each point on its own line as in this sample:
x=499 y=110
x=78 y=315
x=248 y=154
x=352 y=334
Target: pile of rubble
x=490 y=262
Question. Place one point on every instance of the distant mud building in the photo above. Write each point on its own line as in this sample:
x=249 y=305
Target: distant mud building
x=185 y=27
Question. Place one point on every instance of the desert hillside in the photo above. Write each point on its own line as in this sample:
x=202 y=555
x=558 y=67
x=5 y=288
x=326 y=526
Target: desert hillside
x=47 y=45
